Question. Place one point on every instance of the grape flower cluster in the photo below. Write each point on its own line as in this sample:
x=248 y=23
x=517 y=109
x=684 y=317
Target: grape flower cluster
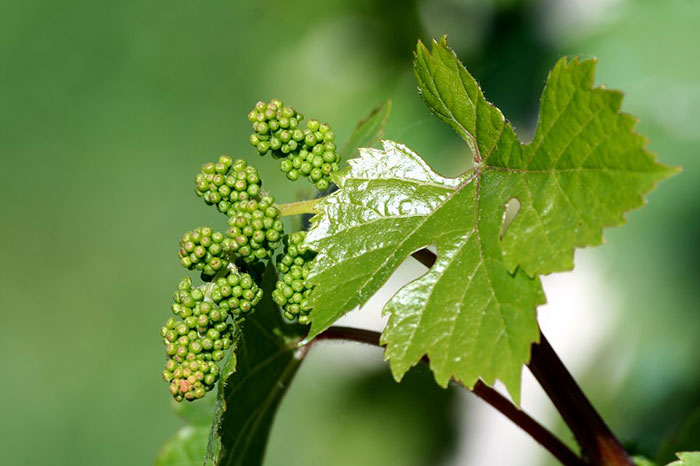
x=255 y=226
x=196 y=341
x=309 y=152
x=207 y=318
x=227 y=183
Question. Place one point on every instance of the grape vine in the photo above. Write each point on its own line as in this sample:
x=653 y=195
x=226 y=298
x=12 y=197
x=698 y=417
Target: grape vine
x=471 y=317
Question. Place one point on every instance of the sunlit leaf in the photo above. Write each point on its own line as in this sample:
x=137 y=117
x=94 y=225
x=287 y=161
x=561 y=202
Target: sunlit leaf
x=473 y=313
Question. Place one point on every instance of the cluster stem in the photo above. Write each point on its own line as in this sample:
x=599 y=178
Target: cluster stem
x=298 y=208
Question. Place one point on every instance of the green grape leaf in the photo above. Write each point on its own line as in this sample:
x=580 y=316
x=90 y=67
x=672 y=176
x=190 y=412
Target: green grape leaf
x=582 y=171
x=368 y=131
x=468 y=314
x=473 y=312
x=185 y=448
x=254 y=382
x=687 y=459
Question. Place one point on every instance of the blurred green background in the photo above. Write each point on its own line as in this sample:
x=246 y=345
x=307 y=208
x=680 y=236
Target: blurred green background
x=107 y=110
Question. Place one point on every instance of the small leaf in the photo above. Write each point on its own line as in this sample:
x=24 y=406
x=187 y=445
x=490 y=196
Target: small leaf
x=186 y=448
x=687 y=459
x=254 y=382
x=368 y=131
x=473 y=313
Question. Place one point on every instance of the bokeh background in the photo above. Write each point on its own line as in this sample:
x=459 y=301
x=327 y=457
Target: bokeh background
x=107 y=110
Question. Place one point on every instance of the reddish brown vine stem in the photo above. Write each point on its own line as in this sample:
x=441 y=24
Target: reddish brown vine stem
x=598 y=444
x=540 y=434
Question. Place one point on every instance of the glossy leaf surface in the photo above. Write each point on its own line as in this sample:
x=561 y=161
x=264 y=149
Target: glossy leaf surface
x=473 y=313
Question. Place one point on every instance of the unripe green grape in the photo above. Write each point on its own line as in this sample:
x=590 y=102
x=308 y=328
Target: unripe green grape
x=199 y=252
x=322 y=184
x=313 y=125
x=262 y=128
x=185 y=284
x=221 y=326
x=330 y=156
x=195 y=347
x=181 y=328
x=191 y=322
x=293 y=174
x=197 y=294
x=263 y=147
x=181 y=351
x=208 y=168
x=203 y=321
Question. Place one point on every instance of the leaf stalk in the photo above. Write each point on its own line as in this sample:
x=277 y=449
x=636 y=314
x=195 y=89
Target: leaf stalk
x=298 y=208
x=539 y=433
x=598 y=444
